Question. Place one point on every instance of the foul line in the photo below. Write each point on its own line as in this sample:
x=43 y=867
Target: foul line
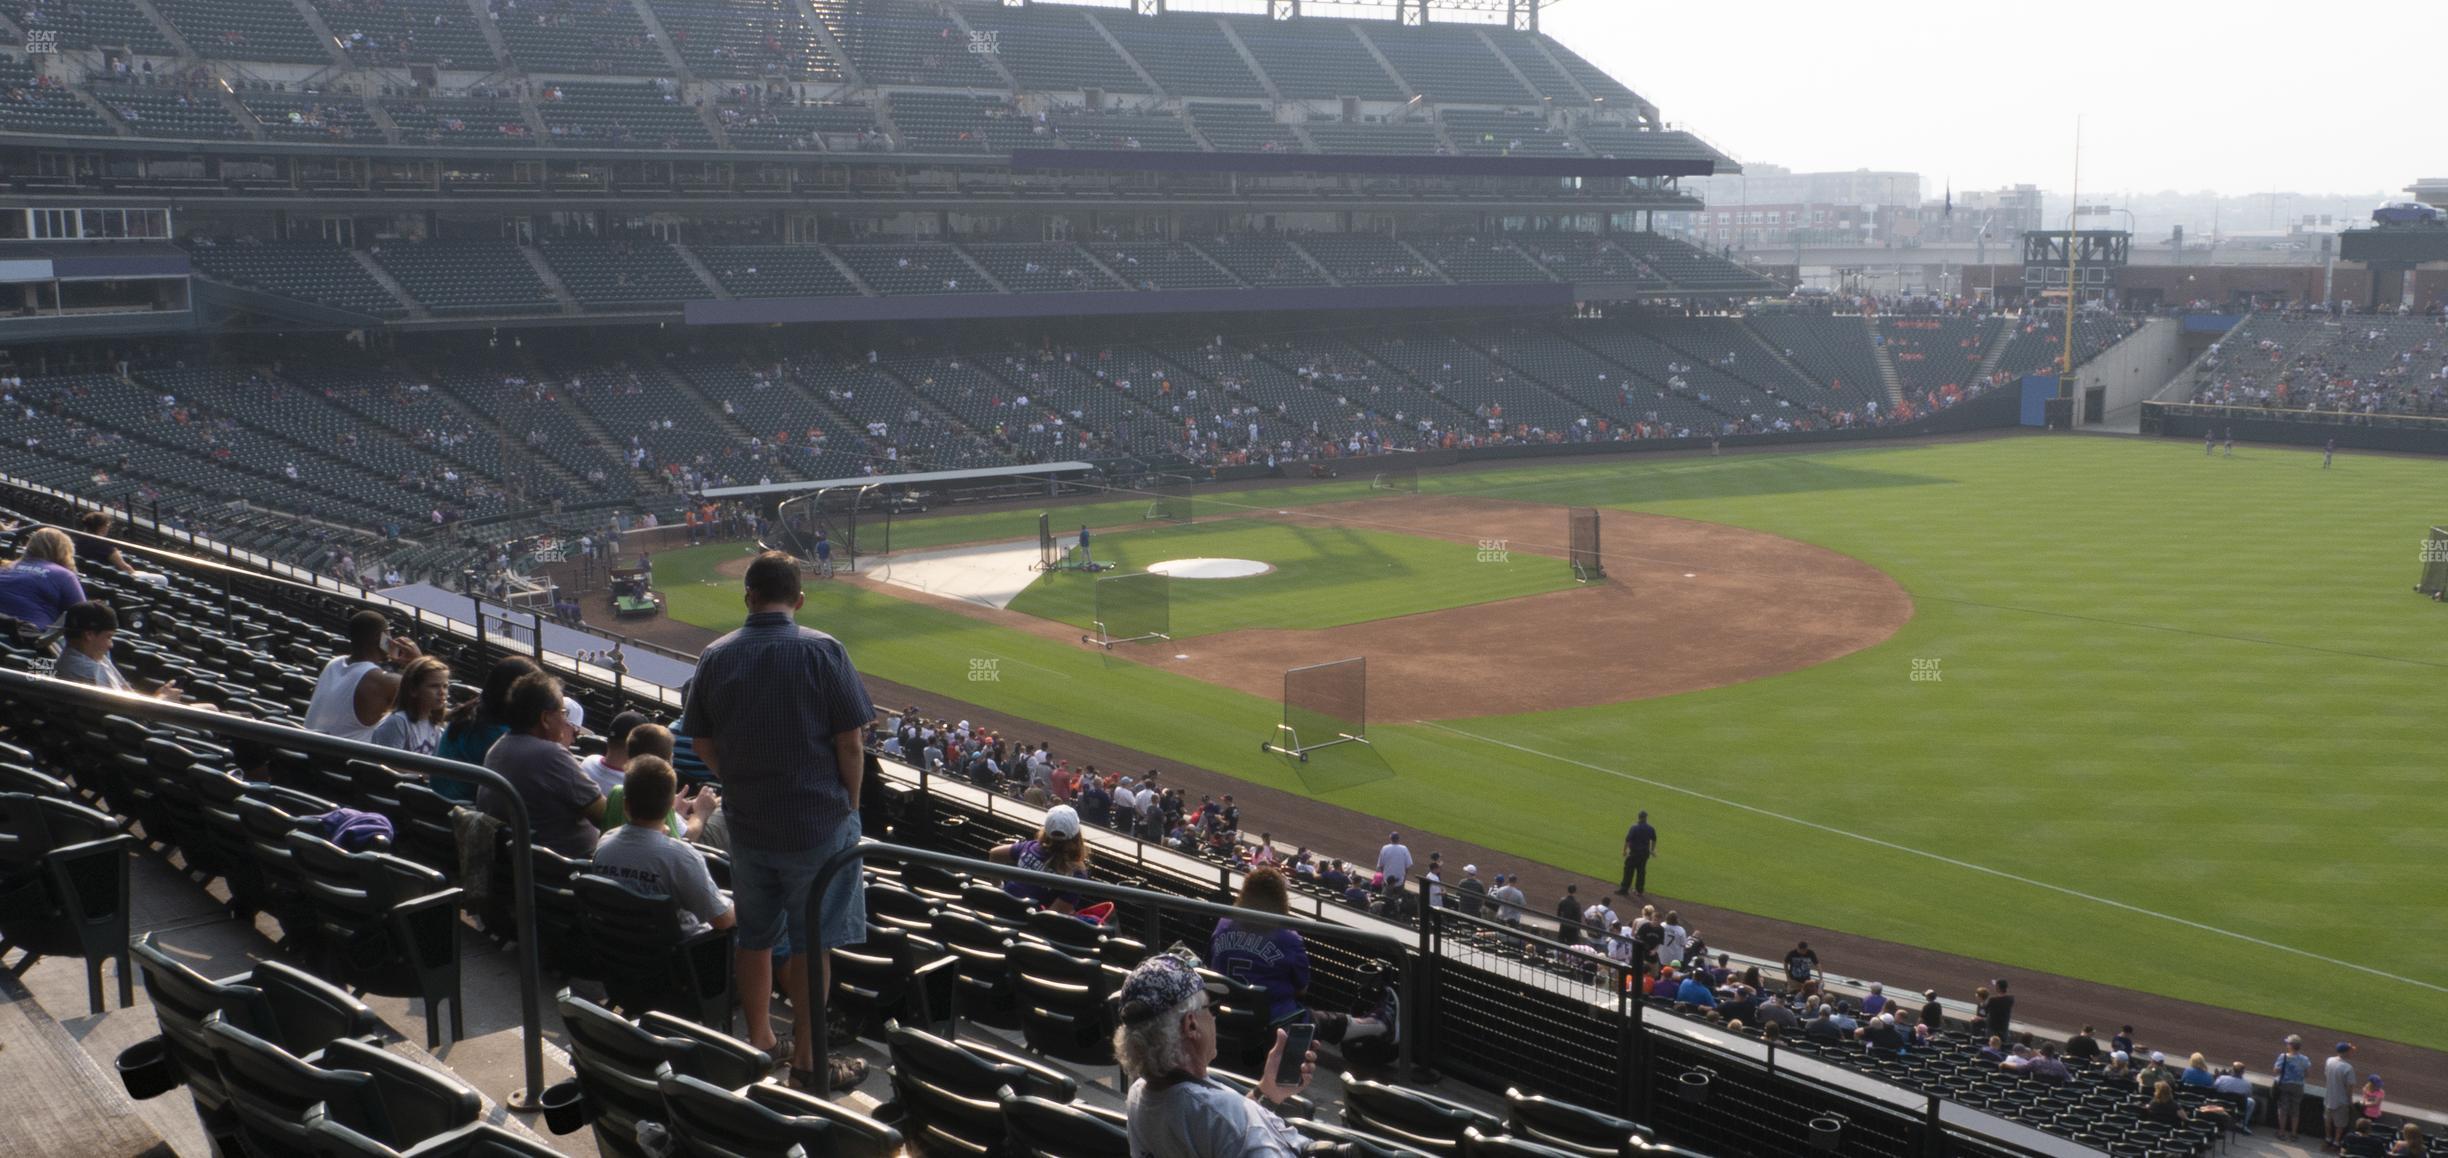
x=1963 y=864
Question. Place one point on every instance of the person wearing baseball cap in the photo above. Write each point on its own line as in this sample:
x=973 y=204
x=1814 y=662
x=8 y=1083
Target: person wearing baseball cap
x=2149 y=1077
x=1059 y=849
x=2287 y=1076
x=2337 y=1094
x=1165 y=1041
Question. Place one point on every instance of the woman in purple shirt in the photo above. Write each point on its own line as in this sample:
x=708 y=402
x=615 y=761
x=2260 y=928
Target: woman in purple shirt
x=1059 y=849
x=1256 y=951
x=42 y=583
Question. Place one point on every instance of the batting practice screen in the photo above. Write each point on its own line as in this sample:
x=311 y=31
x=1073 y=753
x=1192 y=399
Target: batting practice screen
x=1324 y=704
x=2434 y=562
x=1168 y=497
x=1132 y=607
x=1400 y=480
x=1582 y=540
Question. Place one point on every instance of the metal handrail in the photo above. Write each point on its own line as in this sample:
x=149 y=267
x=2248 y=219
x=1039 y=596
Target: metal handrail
x=1396 y=948
x=20 y=685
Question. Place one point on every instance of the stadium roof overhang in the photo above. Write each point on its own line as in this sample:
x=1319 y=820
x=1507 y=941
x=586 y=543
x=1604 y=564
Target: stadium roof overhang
x=915 y=478
x=1105 y=160
x=1116 y=303
x=1174 y=161
x=649 y=201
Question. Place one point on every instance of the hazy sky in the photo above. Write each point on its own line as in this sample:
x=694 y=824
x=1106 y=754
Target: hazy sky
x=2239 y=97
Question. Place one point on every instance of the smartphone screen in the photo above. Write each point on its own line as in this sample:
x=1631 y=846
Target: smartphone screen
x=1295 y=1051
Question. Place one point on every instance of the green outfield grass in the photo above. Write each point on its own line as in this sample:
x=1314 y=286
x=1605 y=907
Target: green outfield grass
x=1323 y=577
x=2179 y=739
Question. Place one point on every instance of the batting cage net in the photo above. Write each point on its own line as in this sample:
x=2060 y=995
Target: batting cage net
x=1130 y=608
x=1402 y=480
x=1581 y=535
x=1168 y=497
x=855 y=524
x=1324 y=704
x=2435 y=564
x=796 y=524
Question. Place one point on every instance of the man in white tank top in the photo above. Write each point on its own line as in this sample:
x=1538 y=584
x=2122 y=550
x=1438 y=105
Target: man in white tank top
x=354 y=692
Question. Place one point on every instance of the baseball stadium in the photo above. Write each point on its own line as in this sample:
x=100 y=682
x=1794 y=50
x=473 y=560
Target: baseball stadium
x=669 y=578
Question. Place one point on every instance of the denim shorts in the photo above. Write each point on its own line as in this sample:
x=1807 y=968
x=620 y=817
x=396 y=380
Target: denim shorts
x=771 y=891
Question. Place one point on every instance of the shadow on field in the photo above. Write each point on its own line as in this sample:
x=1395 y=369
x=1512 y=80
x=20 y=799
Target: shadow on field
x=1630 y=484
x=1340 y=767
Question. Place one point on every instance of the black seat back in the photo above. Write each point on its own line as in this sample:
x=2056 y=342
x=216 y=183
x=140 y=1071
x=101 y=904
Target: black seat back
x=632 y=933
x=1553 y=1123
x=646 y=959
x=1409 y=1115
x=1050 y=963
x=1057 y=1130
x=1478 y=1145
x=330 y=1139
x=711 y=1122
x=271 y=1091
x=977 y=1070
x=1062 y=929
x=697 y=1051
x=615 y=1062
x=406 y=1101
x=1357 y=1143
x=304 y=1008
x=182 y=1000
x=855 y=1135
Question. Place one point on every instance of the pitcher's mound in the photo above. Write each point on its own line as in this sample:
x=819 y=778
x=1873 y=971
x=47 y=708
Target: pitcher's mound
x=1210 y=568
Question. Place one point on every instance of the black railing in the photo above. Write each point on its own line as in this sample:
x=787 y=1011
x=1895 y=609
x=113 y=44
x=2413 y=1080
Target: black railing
x=1148 y=904
x=16 y=685
x=1499 y=1005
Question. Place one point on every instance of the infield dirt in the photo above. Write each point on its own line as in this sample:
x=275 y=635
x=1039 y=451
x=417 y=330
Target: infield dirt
x=1684 y=606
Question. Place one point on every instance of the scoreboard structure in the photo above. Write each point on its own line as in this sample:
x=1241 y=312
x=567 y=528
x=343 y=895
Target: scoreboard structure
x=2090 y=272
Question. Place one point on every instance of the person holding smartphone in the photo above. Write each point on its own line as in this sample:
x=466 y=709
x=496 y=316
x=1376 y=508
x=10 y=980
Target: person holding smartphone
x=86 y=632
x=1166 y=1041
x=354 y=692
x=1257 y=951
